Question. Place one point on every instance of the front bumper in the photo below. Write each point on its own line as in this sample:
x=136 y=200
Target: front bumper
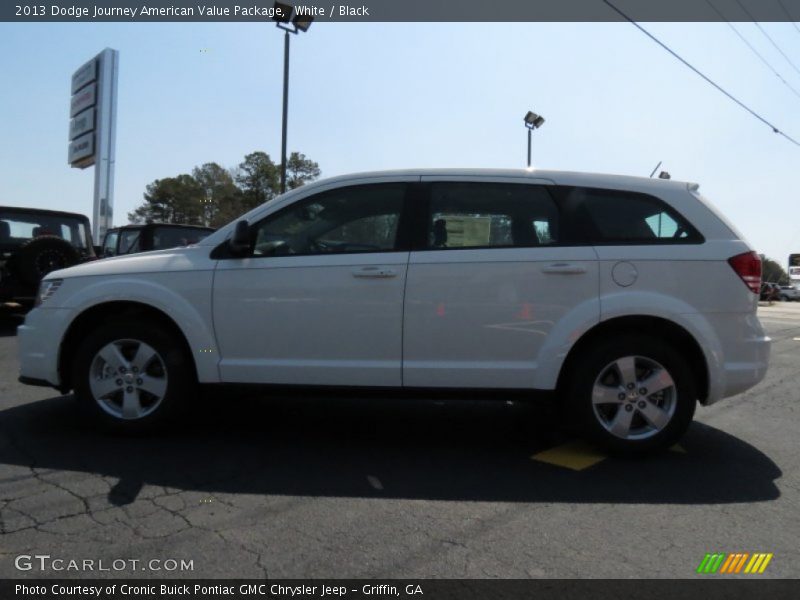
x=38 y=342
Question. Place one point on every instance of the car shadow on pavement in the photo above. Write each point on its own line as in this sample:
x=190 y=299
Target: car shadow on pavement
x=474 y=451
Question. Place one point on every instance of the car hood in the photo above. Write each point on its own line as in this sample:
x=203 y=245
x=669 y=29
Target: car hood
x=158 y=261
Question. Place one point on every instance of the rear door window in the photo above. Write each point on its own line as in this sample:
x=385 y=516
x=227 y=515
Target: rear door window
x=490 y=215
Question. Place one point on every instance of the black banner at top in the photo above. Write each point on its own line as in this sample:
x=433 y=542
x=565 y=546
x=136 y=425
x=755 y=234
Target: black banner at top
x=401 y=10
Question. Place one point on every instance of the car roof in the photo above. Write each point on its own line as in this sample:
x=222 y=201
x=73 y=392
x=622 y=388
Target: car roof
x=585 y=179
x=43 y=211
x=143 y=225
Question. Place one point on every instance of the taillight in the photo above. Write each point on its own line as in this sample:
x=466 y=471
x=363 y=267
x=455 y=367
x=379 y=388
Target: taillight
x=748 y=267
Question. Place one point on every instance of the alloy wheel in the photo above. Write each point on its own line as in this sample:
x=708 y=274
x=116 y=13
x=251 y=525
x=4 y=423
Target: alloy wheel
x=128 y=379
x=634 y=397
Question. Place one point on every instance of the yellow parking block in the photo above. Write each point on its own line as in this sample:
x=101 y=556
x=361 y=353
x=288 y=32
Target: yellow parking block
x=578 y=455
x=575 y=455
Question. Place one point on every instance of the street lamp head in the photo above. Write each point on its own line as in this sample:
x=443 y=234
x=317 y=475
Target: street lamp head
x=302 y=22
x=282 y=13
x=533 y=121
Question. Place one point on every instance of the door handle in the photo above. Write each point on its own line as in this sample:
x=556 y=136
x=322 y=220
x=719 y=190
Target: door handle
x=374 y=272
x=564 y=269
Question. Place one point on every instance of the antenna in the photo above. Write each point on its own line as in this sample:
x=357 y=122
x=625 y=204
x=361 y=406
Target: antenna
x=656 y=169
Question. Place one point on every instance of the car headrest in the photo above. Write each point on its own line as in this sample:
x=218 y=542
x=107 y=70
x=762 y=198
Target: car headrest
x=5 y=231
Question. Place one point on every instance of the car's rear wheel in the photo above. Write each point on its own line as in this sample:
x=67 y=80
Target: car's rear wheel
x=132 y=375
x=632 y=394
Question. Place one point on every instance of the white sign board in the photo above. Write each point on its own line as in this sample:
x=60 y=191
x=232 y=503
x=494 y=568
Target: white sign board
x=86 y=74
x=84 y=99
x=82 y=148
x=81 y=124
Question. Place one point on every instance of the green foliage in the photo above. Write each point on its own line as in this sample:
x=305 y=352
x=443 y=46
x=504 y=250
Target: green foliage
x=300 y=170
x=772 y=271
x=171 y=200
x=258 y=178
x=213 y=195
x=222 y=199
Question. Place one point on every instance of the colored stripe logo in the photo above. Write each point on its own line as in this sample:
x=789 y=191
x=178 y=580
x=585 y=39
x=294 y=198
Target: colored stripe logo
x=737 y=562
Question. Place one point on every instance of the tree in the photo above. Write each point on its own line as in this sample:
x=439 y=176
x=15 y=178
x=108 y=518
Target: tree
x=221 y=199
x=213 y=195
x=772 y=271
x=258 y=178
x=300 y=170
x=171 y=200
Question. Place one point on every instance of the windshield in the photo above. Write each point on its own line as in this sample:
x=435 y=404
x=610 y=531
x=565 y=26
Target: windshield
x=17 y=228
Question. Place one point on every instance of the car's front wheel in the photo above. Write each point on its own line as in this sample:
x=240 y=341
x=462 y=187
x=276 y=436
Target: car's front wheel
x=132 y=375
x=632 y=394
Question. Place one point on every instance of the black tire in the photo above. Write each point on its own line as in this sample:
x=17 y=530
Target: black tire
x=171 y=369
x=39 y=256
x=676 y=404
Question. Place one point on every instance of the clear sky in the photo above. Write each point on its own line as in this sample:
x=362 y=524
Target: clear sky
x=375 y=96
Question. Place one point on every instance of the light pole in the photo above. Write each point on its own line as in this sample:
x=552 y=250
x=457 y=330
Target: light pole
x=283 y=19
x=532 y=121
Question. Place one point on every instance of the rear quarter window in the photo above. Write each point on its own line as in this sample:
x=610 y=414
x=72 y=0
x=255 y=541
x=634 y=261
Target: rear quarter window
x=623 y=217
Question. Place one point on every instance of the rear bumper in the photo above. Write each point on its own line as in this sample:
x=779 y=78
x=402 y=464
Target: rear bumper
x=741 y=359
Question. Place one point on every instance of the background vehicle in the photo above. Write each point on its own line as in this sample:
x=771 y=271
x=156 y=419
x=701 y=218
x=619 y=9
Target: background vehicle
x=769 y=291
x=578 y=286
x=34 y=242
x=788 y=293
x=130 y=239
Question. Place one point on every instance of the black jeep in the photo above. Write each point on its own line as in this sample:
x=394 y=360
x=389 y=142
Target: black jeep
x=130 y=239
x=34 y=242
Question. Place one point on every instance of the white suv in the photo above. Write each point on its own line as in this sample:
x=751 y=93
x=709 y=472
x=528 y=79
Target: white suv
x=629 y=298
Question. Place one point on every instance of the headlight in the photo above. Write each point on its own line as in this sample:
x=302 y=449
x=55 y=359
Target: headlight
x=47 y=288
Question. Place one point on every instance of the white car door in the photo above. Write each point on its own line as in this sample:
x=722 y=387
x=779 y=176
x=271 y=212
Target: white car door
x=319 y=298
x=490 y=284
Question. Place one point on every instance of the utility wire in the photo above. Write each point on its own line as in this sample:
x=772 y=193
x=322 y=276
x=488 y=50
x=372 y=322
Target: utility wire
x=686 y=63
x=749 y=45
x=771 y=41
x=788 y=16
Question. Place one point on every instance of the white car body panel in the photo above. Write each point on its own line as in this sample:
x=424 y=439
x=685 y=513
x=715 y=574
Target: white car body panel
x=319 y=320
x=477 y=318
x=176 y=281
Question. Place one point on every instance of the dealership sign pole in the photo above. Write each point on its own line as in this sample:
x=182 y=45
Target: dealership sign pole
x=92 y=131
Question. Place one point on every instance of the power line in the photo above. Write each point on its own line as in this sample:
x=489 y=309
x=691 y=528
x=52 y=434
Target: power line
x=771 y=41
x=686 y=63
x=788 y=16
x=756 y=52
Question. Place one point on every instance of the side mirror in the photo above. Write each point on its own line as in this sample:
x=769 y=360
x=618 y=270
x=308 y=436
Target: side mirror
x=239 y=242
